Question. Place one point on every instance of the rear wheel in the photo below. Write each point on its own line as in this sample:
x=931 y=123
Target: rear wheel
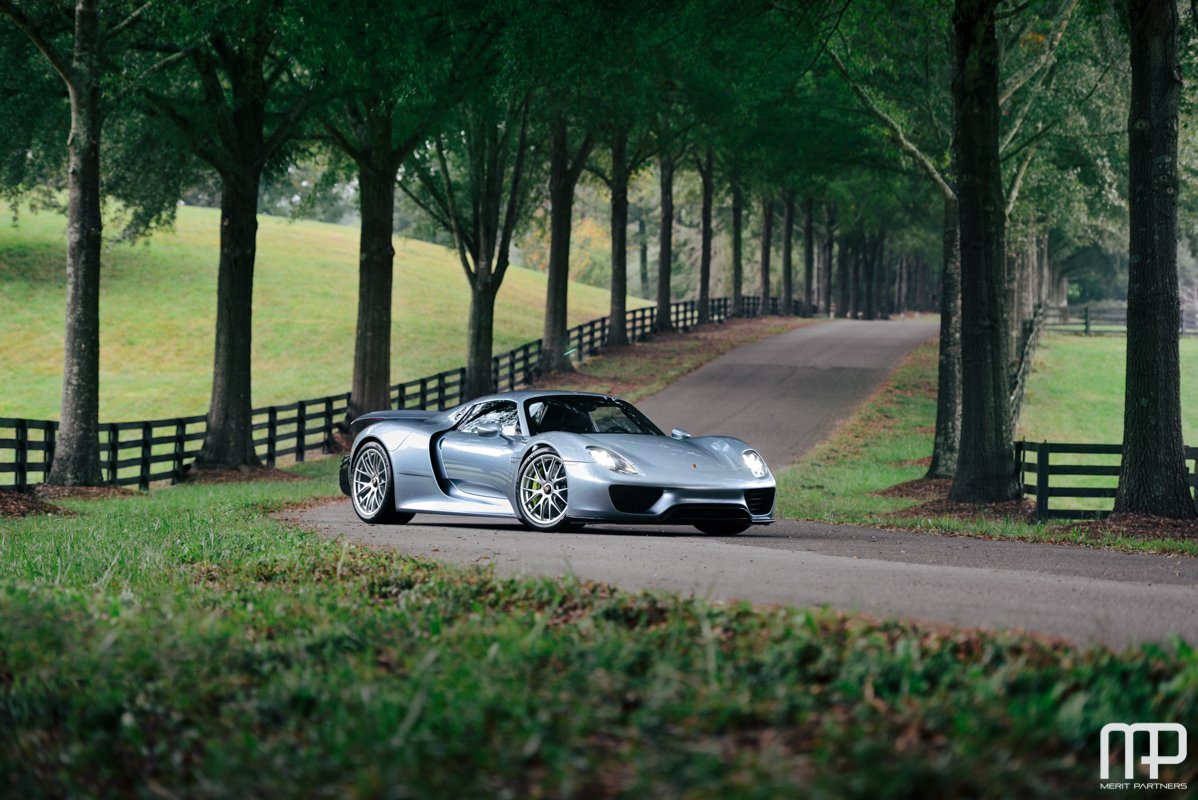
x=372 y=486
x=542 y=495
x=722 y=528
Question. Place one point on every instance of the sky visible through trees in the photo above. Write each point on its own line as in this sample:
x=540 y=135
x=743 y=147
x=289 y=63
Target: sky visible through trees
x=854 y=158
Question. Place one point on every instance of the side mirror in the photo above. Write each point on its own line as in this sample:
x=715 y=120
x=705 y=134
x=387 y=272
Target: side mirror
x=678 y=433
x=487 y=431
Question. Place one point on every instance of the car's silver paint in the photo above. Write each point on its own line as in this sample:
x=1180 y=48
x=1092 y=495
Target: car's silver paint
x=440 y=470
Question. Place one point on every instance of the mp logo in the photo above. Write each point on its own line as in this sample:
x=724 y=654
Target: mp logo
x=1152 y=759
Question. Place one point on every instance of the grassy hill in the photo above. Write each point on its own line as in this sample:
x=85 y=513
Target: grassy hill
x=158 y=302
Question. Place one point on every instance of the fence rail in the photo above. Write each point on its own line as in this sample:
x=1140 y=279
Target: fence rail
x=1088 y=321
x=144 y=452
x=1036 y=459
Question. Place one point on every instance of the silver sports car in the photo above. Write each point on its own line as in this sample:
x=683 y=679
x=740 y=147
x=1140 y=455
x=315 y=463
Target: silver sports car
x=555 y=461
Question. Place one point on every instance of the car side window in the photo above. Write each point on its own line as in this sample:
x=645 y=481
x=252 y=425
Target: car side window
x=500 y=414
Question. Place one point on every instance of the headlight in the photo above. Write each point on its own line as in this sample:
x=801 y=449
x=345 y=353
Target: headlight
x=755 y=463
x=614 y=462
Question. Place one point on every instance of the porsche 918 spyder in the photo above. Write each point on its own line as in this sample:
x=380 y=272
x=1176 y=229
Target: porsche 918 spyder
x=555 y=461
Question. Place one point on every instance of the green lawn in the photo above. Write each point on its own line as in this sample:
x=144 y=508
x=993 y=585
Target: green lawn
x=158 y=300
x=882 y=443
x=1076 y=390
x=182 y=644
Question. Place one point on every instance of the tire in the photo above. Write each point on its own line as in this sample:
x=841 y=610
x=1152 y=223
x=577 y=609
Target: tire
x=372 y=487
x=723 y=528
x=541 y=492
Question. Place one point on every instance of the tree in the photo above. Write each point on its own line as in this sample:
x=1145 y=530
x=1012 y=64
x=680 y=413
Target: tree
x=82 y=55
x=985 y=465
x=1152 y=478
x=395 y=69
x=788 y=283
x=474 y=182
x=767 y=235
x=236 y=108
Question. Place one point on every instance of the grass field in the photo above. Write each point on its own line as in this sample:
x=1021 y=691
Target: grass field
x=1076 y=390
x=183 y=644
x=158 y=300
x=883 y=442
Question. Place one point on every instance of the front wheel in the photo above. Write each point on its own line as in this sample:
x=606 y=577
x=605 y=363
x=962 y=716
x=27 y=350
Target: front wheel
x=722 y=528
x=541 y=492
x=372 y=486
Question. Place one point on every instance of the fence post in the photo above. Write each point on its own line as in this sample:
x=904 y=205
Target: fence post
x=51 y=435
x=22 y=454
x=1087 y=320
x=424 y=392
x=180 y=433
x=441 y=390
x=114 y=436
x=300 y=433
x=143 y=477
x=272 y=434
x=328 y=424
x=1042 y=474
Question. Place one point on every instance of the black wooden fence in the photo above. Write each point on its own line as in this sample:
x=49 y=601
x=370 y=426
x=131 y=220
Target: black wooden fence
x=141 y=453
x=1087 y=321
x=1100 y=461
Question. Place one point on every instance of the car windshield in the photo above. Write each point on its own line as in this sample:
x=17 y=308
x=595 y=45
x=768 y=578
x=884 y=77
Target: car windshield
x=586 y=415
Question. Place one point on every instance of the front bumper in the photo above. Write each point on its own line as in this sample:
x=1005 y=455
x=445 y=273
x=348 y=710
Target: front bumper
x=599 y=495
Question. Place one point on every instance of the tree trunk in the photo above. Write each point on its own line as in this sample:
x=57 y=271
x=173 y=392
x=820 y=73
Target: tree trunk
x=738 y=267
x=76 y=458
x=371 y=390
x=985 y=462
x=870 y=310
x=561 y=216
x=707 y=176
x=767 y=231
x=665 y=251
x=642 y=238
x=228 y=441
x=788 y=278
x=829 y=252
x=808 y=256
x=1152 y=479
x=843 y=278
x=480 y=338
x=859 y=247
x=617 y=332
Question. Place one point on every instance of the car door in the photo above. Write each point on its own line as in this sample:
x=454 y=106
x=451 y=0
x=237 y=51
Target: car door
x=476 y=457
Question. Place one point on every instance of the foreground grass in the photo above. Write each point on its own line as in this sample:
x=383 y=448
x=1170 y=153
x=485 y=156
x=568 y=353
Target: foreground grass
x=184 y=644
x=887 y=441
x=158 y=303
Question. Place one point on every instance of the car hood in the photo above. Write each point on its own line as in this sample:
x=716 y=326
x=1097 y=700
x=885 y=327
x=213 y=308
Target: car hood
x=707 y=454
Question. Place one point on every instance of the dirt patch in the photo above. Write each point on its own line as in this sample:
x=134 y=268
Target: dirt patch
x=1021 y=509
x=920 y=489
x=1135 y=526
x=199 y=474
x=46 y=491
x=934 y=493
x=15 y=503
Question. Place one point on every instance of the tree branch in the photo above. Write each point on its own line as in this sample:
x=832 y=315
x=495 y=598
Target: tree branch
x=1017 y=182
x=1016 y=81
x=896 y=132
x=128 y=22
x=39 y=41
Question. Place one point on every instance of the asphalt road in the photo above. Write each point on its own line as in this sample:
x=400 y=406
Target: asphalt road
x=786 y=393
x=783 y=395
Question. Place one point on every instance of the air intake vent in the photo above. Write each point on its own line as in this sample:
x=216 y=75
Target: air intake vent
x=634 y=499
x=759 y=501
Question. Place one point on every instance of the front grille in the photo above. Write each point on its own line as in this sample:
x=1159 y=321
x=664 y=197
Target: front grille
x=759 y=501
x=690 y=513
x=634 y=499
